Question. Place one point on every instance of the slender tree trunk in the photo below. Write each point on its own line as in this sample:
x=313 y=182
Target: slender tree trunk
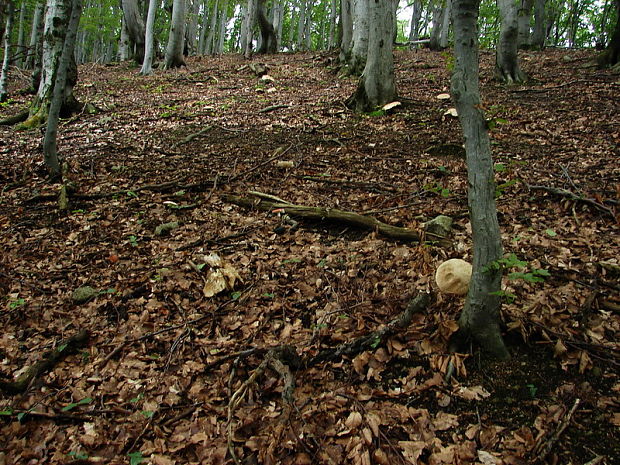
x=7 y=52
x=414 y=27
x=174 y=50
x=21 y=36
x=480 y=318
x=50 y=154
x=247 y=33
x=269 y=42
x=222 y=34
x=538 y=33
x=191 y=30
x=438 y=16
x=35 y=35
x=333 y=15
x=123 y=46
x=360 y=39
x=445 y=24
x=135 y=27
x=147 y=63
x=611 y=55
x=346 y=25
x=507 y=63
x=523 y=22
x=376 y=86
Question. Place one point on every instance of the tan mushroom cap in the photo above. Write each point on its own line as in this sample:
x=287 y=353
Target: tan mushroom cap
x=453 y=276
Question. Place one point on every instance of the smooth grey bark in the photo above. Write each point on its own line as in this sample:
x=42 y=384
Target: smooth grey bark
x=333 y=15
x=247 y=29
x=506 y=59
x=123 y=46
x=611 y=55
x=135 y=28
x=222 y=33
x=437 y=23
x=301 y=24
x=346 y=25
x=360 y=38
x=269 y=42
x=414 y=27
x=35 y=35
x=445 y=24
x=377 y=86
x=523 y=23
x=481 y=314
x=174 y=50
x=277 y=13
x=209 y=43
x=50 y=154
x=147 y=63
x=7 y=52
x=21 y=36
x=538 y=33
x=191 y=29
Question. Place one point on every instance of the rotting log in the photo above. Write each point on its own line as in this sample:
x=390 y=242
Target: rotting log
x=337 y=216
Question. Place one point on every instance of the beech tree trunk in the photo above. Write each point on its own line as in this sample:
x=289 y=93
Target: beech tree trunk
x=539 y=32
x=480 y=318
x=35 y=36
x=148 y=39
x=346 y=25
x=57 y=16
x=523 y=21
x=611 y=55
x=376 y=86
x=414 y=28
x=360 y=38
x=21 y=40
x=438 y=21
x=4 y=74
x=50 y=154
x=506 y=63
x=333 y=15
x=174 y=50
x=269 y=43
x=135 y=28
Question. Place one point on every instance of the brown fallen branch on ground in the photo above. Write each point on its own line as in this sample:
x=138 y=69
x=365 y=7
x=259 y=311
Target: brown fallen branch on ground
x=372 y=340
x=47 y=362
x=543 y=449
x=280 y=359
x=569 y=195
x=332 y=214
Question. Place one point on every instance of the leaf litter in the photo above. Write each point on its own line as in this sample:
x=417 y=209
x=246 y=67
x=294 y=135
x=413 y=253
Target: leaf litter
x=180 y=321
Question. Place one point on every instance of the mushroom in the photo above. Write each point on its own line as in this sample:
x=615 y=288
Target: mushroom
x=453 y=276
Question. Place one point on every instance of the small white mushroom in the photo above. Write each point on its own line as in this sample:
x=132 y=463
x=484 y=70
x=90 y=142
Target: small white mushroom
x=453 y=276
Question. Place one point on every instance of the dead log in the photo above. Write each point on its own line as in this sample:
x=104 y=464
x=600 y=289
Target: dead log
x=334 y=215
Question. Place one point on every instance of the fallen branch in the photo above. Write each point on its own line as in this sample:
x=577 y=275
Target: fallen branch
x=332 y=214
x=193 y=136
x=272 y=108
x=279 y=359
x=572 y=196
x=47 y=362
x=372 y=340
x=543 y=449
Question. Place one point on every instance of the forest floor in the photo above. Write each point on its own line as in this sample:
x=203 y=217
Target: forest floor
x=177 y=369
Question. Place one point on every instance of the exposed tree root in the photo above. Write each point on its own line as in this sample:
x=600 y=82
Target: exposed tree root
x=18 y=118
x=47 y=362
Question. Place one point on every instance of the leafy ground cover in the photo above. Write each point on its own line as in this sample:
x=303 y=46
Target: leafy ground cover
x=180 y=317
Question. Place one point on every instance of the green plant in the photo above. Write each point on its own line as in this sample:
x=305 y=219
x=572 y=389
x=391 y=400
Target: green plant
x=529 y=274
x=72 y=405
x=16 y=304
x=133 y=240
x=135 y=458
x=438 y=189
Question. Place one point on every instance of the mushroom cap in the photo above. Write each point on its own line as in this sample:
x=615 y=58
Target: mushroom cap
x=453 y=276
